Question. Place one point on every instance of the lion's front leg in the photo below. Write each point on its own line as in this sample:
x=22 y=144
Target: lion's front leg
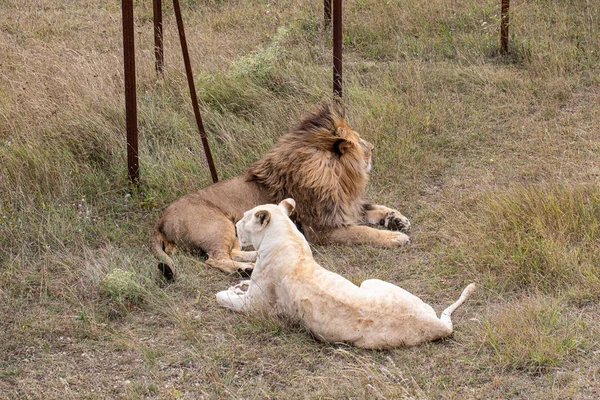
x=357 y=234
x=376 y=214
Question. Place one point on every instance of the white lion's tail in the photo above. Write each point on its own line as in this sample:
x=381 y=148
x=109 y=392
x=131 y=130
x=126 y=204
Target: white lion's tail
x=445 y=317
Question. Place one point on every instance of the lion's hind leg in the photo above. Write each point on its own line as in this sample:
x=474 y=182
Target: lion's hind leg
x=216 y=237
x=244 y=256
x=226 y=264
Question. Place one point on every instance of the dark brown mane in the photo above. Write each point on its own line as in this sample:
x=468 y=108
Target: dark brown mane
x=323 y=117
x=320 y=164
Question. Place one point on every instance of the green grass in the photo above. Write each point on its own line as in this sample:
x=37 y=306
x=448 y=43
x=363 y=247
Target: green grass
x=493 y=157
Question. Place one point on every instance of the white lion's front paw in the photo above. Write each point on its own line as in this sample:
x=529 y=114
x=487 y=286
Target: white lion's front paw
x=232 y=300
x=241 y=288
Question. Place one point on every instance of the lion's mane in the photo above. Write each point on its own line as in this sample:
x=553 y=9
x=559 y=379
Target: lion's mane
x=319 y=163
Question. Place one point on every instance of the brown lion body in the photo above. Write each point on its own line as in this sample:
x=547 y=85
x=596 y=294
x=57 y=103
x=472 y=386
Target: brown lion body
x=321 y=163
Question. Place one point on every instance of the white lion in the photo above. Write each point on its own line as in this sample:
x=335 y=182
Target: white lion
x=287 y=282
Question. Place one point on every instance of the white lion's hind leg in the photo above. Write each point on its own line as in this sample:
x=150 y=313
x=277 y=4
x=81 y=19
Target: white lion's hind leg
x=232 y=299
x=387 y=288
x=377 y=285
x=445 y=317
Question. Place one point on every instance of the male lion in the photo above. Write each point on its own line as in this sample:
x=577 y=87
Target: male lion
x=287 y=283
x=321 y=162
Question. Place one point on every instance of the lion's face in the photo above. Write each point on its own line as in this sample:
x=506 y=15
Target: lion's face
x=353 y=139
x=367 y=149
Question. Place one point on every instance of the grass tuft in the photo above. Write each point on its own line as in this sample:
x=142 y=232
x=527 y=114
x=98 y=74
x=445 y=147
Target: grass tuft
x=534 y=335
x=543 y=237
x=122 y=287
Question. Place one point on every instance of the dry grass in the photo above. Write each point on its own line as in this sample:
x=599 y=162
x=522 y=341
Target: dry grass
x=542 y=237
x=535 y=335
x=494 y=158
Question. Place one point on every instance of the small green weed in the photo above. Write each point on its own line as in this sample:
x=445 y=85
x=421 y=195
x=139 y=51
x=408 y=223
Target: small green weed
x=122 y=287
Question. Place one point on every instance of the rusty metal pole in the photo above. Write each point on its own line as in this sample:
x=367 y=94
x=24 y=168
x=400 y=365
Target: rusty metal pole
x=192 y=87
x=504 y=25
x=327 y=12
x=158 y=35
x=130 y=97
x=337 y=48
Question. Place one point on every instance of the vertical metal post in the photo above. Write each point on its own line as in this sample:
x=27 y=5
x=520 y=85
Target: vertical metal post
x=504 y=25
x=327 y=13
x=337 y=48
x=192 y=87
x=158 y=35
x=130 y=97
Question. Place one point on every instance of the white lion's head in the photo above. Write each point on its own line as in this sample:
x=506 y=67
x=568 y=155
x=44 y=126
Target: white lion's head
x=252 y=227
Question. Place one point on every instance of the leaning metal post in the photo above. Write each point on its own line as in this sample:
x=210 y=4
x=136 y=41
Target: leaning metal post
x=158 y=35
x=192 y=87
x=337 y=48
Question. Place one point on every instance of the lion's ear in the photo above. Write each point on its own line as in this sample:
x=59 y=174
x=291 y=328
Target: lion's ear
x=263 y=217
x=341 y=146
x=288 y=205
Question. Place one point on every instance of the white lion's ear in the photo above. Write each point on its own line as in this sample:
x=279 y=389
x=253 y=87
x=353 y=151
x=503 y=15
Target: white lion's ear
x=288 y=205
x=263 y=217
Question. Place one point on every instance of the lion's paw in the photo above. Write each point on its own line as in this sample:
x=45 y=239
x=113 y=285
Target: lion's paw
x=245 y=269
x=395 y=221
x=399 y=238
